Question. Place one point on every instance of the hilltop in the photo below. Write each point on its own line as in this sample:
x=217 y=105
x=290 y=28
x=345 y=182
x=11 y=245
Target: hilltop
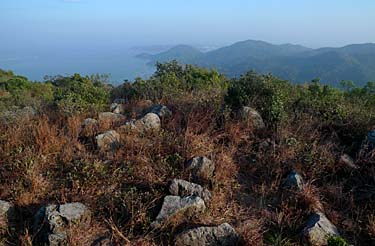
x=186 y=157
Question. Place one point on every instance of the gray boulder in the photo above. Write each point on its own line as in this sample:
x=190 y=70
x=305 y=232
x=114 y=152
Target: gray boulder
x=174 y=205
x=293 y=181
x=223 y=235
x=179 y=187
x=202 y=169
x=52 y=221
x=7 y=215
x=117 y=108
x=160 y=110
x=111 y=118
x=109 y=140
x=150 y=122
x=319 y=229
x=250 y=114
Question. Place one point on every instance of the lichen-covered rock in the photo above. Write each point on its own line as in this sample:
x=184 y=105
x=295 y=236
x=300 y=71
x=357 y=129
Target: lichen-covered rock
x=319 y=229
x=179 y=187
x=89 y=127
x=7 y=215
x=108 y=141
x=150 y=122
x=52 y=221
x=223 y=235
x=111 y=118
x=202 y=169
x=174 y=205
x=293 y=181
x=117 y=108
x=160 y=110
x=250 y=114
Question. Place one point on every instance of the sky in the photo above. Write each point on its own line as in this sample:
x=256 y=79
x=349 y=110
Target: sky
x=72 y=24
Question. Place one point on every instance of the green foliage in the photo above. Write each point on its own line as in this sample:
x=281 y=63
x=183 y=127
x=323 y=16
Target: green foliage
x=336 y=241
x=77 y=93
x=266 y=93
x=20 y=92
x=172 y=80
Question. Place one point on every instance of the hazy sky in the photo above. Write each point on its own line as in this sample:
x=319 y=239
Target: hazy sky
x=75 y=23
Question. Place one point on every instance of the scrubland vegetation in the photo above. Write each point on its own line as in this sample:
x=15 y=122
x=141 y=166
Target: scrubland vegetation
x=309 y=127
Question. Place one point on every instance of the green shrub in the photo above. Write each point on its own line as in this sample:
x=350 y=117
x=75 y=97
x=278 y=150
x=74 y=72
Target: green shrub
x=336 y=241
x=77 y=93
x=173 y=81
x=19 y=91
x=265 y=93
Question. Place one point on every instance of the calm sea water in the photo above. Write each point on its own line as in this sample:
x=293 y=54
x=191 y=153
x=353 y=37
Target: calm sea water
x=119 y=63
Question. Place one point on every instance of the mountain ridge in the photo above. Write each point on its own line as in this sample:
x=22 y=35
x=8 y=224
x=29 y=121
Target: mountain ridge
x=289 y=61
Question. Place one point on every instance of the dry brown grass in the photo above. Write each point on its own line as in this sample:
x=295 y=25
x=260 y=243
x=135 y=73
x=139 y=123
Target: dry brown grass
x=42 y=161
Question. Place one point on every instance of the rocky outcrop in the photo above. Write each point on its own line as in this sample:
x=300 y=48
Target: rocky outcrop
x=250 y=114
x=111 y=118
x=109 y=140
x=150 y=122
x=160 y=110
x=179 y=187
x=318 y=230
x=223 y=235
x=7 y=216
x=202 y=169
x=293 y=181
x=117 y=108
x=174 y=205
x=52 y=221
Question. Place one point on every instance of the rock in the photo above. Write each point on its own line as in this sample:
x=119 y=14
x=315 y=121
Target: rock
x=150 y=122
x=7 y=215
x=117 y=108
x=52 y=221
x=174 y=205
x=223 y=235
x=250 y=114
x=15 y=113
x=348 y=161
x=111 y=118
x=89 y=127
x=293 y=181
x=318 y=229
x=202 y=169
x=160 y=110
x=109 y=140
x=179 y=187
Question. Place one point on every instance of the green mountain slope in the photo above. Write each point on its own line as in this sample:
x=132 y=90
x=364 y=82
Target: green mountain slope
x=292 y=62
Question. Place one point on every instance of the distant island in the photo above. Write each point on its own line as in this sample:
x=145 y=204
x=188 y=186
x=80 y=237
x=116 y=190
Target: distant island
x=296 y=63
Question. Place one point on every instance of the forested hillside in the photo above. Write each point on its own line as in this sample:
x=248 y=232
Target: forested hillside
x=291 y=62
